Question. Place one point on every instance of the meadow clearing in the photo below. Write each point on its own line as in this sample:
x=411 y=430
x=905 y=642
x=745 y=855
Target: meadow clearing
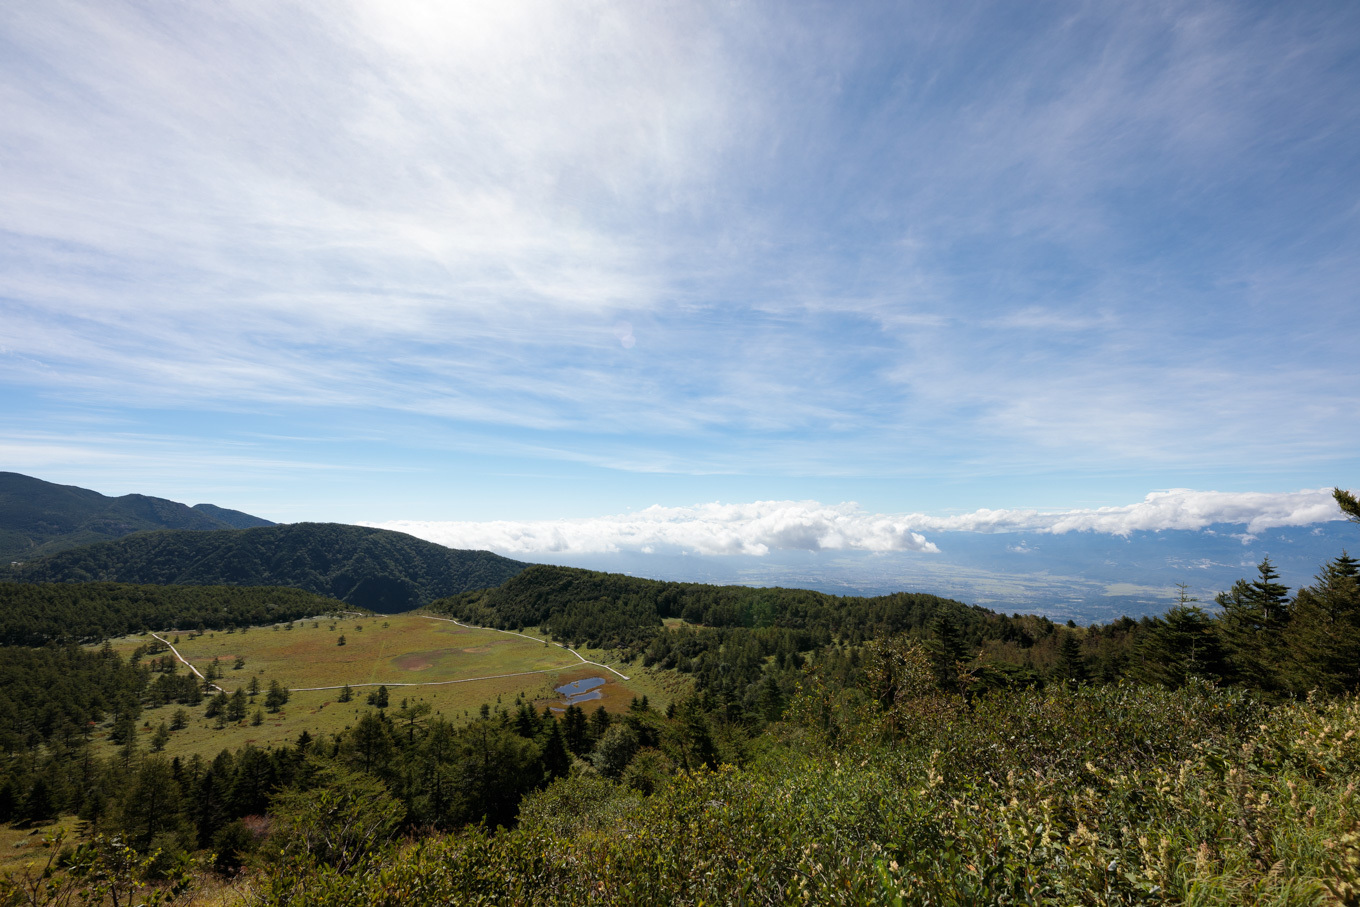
x=455 y=669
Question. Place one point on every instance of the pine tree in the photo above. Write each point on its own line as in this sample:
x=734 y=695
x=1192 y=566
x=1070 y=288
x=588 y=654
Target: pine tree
x=276 y=697
x=576 y=730
x=946 y=650
x=555 y=758
x=1252 y=624
x=1181 y=644
x=1071 y=666
x=1348 y=503
x=1324 y=635
x=216 y=706
x=599 y=723
x=236 y=706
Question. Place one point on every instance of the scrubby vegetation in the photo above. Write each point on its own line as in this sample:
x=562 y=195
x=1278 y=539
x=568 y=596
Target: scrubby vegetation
x=1108 y=795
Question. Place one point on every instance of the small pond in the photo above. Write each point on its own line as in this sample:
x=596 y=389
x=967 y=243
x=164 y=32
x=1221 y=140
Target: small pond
x=582 y=690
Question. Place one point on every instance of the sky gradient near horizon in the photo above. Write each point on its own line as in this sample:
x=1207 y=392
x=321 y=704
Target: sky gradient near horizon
x=538 y=262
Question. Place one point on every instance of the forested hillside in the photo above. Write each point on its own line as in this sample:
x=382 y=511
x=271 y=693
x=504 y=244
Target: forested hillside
x=370 y=568
x=39 y=518
x=34 y=614
x=746 y=642
x=625 y=612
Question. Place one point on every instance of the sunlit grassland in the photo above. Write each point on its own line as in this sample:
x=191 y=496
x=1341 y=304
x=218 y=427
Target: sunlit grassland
x=21 y=846
x=452 y=668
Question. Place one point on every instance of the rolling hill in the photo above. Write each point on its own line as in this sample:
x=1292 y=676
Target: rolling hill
x=39 y=518
x=371 y=568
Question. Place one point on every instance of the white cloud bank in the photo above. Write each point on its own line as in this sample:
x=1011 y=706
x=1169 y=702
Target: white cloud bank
x=763 y=526
x=752 y=529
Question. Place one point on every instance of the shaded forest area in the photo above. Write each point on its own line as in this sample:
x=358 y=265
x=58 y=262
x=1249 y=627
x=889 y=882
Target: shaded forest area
x=34 y=614
x=376 y=569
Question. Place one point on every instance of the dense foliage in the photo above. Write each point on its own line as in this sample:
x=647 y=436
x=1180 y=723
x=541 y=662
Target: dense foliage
x=371 y=568
x=33 y=614
x=1028 y=798
x=57 y=692
x=38 y=518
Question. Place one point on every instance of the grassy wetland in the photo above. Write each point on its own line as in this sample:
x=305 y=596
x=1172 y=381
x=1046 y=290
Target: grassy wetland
x=419 y=658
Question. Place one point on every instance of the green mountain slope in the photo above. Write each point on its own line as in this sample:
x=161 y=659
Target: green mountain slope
x=233 y=519
x=39 y=518
x=372 y=568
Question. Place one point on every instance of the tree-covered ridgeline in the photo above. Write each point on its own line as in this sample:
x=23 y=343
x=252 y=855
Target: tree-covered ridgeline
x=39 y=518
x=34 y=614
x=370 y=568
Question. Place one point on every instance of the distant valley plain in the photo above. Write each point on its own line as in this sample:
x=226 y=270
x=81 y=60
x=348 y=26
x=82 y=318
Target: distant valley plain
x=1082 y=576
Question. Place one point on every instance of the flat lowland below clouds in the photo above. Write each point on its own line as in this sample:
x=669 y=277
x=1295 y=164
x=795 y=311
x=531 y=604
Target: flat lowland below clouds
x=1091 y=564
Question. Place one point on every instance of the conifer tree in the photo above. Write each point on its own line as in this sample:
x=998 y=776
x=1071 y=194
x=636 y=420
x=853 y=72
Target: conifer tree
x=1348 y=503
x=276 y=697
x=236 y=706
x=1324 y=635
x=1182 y=644
x=555 y=758
x=576 y=730
x=1071 y=666
x=1252 y=624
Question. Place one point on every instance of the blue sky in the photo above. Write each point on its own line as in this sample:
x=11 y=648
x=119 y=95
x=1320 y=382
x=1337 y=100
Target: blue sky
x=549 y=261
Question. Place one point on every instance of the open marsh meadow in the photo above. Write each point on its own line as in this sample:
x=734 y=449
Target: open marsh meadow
x=419 y=659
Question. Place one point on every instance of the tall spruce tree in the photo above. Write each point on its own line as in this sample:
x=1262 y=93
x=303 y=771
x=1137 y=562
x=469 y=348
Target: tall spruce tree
x=1181 y=644
x=1255 y=615
x=1324 y=635
x=1070 y=666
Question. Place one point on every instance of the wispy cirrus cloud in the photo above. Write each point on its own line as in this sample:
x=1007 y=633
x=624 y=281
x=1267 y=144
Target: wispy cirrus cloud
x=749 y=239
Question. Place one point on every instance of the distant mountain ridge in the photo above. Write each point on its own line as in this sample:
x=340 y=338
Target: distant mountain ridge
x=39 y=518
x=234 y=519
x=379 y=569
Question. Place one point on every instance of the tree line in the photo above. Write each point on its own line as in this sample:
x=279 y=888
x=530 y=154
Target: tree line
x=34 y=614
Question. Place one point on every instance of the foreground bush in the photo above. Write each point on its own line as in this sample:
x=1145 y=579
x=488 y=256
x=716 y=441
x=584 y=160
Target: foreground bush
x=1116 y=795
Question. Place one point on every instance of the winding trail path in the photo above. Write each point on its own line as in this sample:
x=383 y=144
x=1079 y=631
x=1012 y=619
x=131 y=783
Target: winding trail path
x=172 y=648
